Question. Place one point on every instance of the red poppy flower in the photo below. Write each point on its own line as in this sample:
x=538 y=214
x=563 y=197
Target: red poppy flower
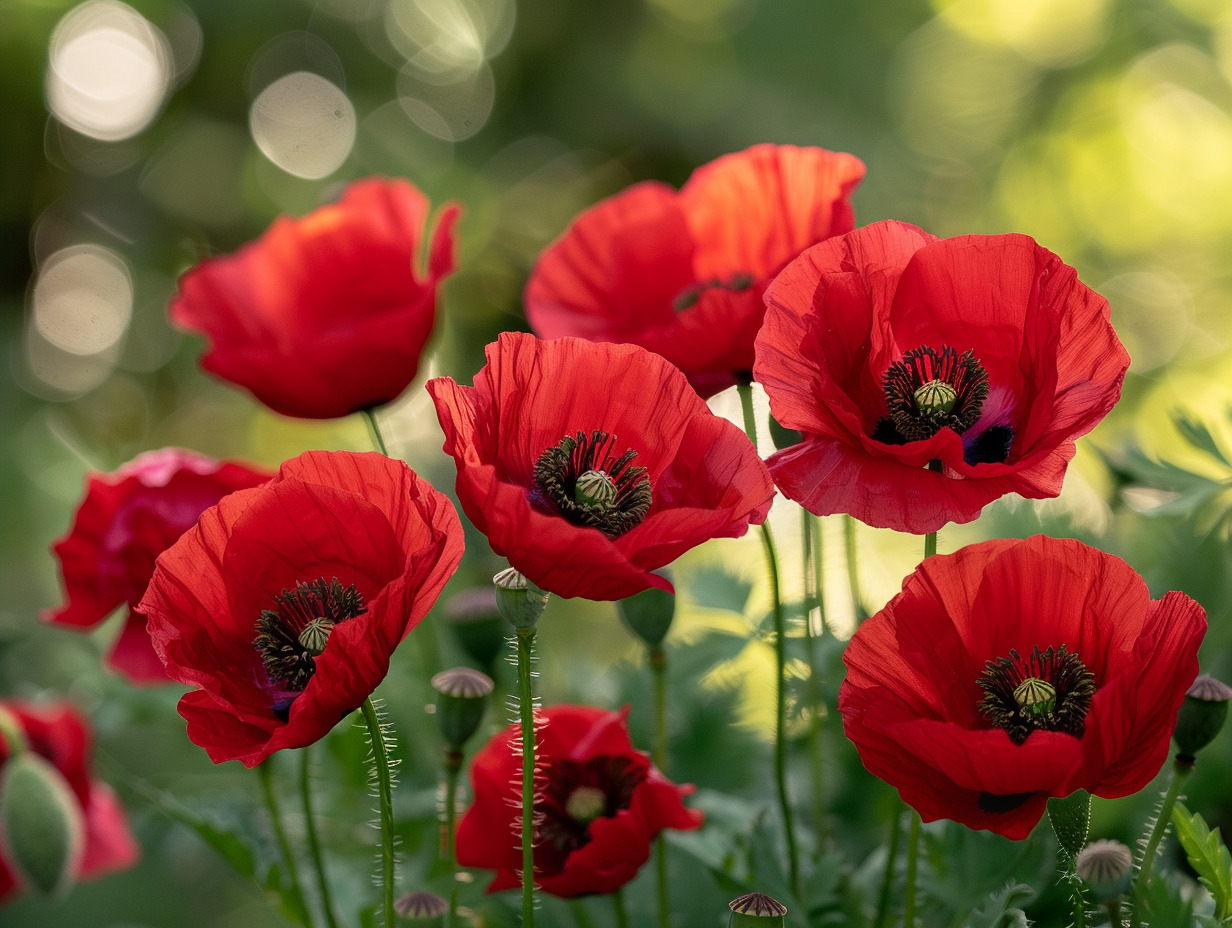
x=599 y=806
x=326 y=315
x=682 y=273
x=590 y=465
x=284 y=603
x=980 y=356
x=1012 y=671
x=126 y=520
x=57 y=733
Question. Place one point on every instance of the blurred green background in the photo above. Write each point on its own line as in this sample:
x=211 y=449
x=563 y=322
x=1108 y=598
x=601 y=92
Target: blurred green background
x=138 y=139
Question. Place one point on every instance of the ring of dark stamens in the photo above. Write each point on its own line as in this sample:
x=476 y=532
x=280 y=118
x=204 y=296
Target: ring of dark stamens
x=690 y=295
x=907 y=420
x=1064 y=672
x=289 y=665
x=558 y=834
x=557 y=471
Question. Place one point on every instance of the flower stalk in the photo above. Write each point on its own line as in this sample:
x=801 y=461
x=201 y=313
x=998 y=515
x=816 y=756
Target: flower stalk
x=1180 y=773
x=384 y=783
x=526 y=708
x=294 y=899
x=314 y=840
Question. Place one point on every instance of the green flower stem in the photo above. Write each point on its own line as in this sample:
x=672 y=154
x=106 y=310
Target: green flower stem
x=453 y=766
x=813 y=586
x=294 y=899
x=780 y=662
x=581 y=915
x=913 y=859
x=384 y=779
x=1180 y=773
x=887 y=878
x=656 y=657
x=314 y=841
x=618 y=909
x=1114 y=913
x=853 y=571
x=370 y=415
x=526 y=705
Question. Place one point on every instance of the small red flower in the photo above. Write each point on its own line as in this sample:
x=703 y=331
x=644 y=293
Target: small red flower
x=1012 y=671
x=591 y=465
x=682 y=273
x=126 y=519
x=283 y=605
x=599 y=805
x=59 y=734
x=890 y=349
x=324 y=316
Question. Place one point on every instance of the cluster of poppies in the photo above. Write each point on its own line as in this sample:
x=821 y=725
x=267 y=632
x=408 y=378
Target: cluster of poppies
x=927 y=377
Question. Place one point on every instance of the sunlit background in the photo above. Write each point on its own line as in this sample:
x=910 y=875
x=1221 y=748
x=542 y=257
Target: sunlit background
x=140 y=138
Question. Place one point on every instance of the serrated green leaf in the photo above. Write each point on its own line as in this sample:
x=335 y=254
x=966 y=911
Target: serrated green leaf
x=1207 y=855
x=1166 y=907
x=1003 y=909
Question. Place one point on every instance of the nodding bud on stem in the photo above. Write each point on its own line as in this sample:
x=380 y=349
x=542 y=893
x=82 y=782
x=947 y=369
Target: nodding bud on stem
x=1105 y=866
x=649 y=614
x=519 y=600
x=461 y=695
x=756 y=910
x=1201 y=716
x=422 y=909
x=40 y=823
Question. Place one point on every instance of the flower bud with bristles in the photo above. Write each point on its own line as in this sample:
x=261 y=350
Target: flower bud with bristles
x=756 y=910
x=1106 y=867
x=1201 y=716
x=519 y=600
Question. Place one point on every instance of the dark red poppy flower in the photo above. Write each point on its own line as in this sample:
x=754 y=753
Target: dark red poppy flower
x=590 y=465
x=326 y=315
x=931 y=376
x=59 y=734
x=1012 y=671
x=125 y=520
x=600 y=804
x=284 y=603
x=682 y=273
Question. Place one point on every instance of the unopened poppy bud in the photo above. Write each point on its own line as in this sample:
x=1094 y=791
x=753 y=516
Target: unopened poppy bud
x=1201 y=716
x=40 y=823
x=1105 y=867
x=756 y=910
x=649 y=614
x=477 y=624
x=519 y=600
x=422 y=909
x=461 y=694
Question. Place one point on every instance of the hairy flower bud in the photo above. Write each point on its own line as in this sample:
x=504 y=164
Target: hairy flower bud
x=40 y=823
x=519 y=600
x=1105 y=866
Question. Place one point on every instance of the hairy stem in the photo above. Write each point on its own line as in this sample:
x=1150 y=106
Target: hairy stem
x=384 y=779
x=1180 y=773
x=453 y=766
x=526 y=708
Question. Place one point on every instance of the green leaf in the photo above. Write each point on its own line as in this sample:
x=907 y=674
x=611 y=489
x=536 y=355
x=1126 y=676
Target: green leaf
x=1071 y=819
x=1198 y=435
x=715 y=588
x=1207 y=855
x=1003 y=909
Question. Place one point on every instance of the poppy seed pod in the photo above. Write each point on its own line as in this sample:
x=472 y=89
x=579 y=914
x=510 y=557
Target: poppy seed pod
x=461 y=696
x=1202 y=716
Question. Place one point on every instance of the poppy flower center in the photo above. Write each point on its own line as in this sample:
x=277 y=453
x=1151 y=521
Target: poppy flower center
x=295 y=632
x=928 y=390
x=688 y=297
x=576 y=794
x=1049 y=691
x=583 y=481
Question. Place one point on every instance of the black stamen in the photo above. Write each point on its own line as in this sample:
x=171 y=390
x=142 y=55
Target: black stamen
x=557 y=471
x=1005 y=706
x=955 y=389
x=290 y=663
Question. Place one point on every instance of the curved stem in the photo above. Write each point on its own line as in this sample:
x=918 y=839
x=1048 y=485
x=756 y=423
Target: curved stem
x=656 y=657
x=295 y=898
x=314 y=841
x=384 y=779
x=618 y=909
x=379 y=441
x=780 y=661
x=526 y=707
x=1180 y=773
x=853 y=571
x=913 y=857
x=887 y=878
